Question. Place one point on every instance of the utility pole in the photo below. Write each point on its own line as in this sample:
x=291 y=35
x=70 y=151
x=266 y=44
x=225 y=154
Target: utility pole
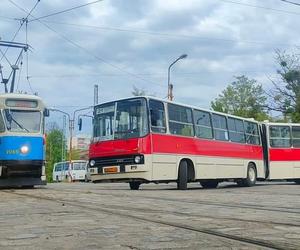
x=14 y=67
x=96 y=94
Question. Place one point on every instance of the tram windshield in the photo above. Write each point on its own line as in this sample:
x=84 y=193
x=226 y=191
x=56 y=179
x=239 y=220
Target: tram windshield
x=22 y=120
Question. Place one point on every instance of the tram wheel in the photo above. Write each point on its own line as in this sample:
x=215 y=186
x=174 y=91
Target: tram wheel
x=251 y=177
x=134 y=185
x=182 y=176
x=209 y=183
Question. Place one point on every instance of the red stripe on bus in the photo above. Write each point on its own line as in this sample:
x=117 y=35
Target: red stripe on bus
x=284 y=154
x=176 y=145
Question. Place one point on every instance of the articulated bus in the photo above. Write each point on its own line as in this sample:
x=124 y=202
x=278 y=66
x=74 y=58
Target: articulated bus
x=22 y=141
x=281 y=143
x=144 y=139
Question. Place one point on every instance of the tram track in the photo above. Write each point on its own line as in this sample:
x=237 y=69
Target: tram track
x=117 y=210
x=207 y=203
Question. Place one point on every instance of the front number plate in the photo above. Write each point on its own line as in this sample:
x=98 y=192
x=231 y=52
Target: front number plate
x=111 y=170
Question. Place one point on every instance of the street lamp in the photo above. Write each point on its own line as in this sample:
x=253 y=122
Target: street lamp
x=170 y=86
x=71 y=128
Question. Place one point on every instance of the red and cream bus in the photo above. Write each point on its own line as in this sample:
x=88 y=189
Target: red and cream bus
x=281 y=143
x=145 y=139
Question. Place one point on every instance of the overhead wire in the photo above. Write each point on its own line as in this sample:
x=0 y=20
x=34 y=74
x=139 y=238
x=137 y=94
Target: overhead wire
x=85 y=50
x=185 y=36
x=290 y=2
x=21 y=24
x=66 y=10
x=260 y=7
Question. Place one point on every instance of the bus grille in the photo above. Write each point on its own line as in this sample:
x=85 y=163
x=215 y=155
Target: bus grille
x=116 y=160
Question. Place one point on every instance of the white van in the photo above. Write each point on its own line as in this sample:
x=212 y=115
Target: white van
x=63 y=171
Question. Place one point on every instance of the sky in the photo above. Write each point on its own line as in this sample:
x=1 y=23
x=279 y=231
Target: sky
x=119 y=44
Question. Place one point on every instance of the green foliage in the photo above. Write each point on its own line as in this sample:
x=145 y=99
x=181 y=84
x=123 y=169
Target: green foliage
x=54 y=142
x=138 y=92
x=285 y=95
x=243 y=97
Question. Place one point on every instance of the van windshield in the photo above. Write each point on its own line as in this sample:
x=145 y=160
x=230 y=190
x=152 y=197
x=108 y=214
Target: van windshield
x=79 y=165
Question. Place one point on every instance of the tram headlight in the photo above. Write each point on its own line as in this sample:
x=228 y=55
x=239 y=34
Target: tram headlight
x=137 y=159
x=92 y=163
x=24 y=149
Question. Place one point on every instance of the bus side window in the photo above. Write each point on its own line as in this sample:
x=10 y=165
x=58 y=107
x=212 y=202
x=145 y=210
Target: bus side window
x=280 y=136
x=252 y=134
x=2 y=126
x=220 y=127
x=180 y=120
x=157 y=115
x=203 y=124
x=296 y=136
x=236 y=130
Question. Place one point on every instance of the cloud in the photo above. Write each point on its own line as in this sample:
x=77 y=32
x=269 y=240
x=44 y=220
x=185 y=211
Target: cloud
x=221 y=40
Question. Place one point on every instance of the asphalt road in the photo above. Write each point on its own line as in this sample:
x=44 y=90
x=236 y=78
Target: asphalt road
x=110 y=216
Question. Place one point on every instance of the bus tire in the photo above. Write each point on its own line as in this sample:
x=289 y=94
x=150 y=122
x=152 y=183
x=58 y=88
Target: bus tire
x=209 y=183
x=182 y=176
x=251 y=177
x=134 y=185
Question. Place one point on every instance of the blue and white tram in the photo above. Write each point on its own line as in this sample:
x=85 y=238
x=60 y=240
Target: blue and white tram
x=22 y=140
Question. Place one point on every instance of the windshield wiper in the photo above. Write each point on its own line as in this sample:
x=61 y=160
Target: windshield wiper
x=20 y=126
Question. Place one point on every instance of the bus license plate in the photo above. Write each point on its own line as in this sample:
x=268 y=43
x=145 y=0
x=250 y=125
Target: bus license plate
x=111 y=170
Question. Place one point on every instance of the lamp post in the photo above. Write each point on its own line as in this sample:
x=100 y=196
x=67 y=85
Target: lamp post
x=170 y=86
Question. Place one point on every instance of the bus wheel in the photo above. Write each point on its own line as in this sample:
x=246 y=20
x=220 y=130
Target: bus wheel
x=251 y=177
x=134 y=185
x=209 y=183
x=182 y=176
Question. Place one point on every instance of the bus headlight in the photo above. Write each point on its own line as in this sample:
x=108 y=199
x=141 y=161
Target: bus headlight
x=24 y=149
x=137 y=159
x=92 y=163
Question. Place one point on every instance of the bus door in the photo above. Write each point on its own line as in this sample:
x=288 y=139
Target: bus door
x=265 y=143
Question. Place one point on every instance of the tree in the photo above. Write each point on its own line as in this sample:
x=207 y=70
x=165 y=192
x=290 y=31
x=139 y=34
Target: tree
x=55 y=142
x=138 y=92
x=285 y=94
x=243 y=97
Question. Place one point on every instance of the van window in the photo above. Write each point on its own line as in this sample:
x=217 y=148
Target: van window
x=203 y=128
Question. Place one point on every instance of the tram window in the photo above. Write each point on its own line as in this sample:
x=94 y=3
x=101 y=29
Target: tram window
x=203 y=124
x=252 y=134
x=180 y=120
x=296 y=136
x=220 y=127
x=2 y=125
x=157 y=114
x=236 y=130
x=280 y=136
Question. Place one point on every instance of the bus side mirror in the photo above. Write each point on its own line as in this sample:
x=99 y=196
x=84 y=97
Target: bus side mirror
x=80 y=124
x=46 y=112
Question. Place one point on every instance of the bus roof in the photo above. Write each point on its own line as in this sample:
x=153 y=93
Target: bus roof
x=181 y=104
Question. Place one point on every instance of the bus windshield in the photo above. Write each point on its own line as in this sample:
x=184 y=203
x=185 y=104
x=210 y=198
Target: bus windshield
x=121 y=120
x=22 y=120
